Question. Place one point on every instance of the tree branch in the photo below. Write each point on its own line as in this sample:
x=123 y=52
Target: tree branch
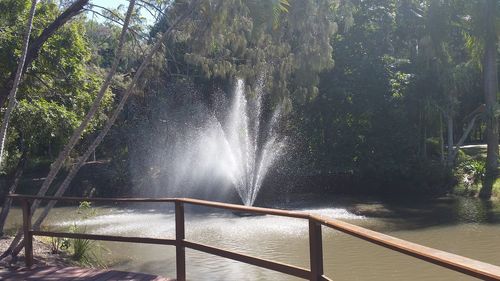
x=36 y=44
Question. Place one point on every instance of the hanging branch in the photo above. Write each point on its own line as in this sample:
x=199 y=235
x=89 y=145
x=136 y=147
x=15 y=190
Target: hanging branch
x=132 y=31
x=158 y=10
x=148 y=10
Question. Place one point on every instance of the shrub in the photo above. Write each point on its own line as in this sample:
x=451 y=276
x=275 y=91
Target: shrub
x=86 y=252
x=58 y=244
x=471 y=175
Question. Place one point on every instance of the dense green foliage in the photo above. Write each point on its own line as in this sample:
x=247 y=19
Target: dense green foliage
x=405 y=84
x=379 y=90
x=58 y=87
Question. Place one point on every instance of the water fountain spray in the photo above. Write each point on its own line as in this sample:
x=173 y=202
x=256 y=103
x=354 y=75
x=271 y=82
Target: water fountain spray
x=252 y=155
x=209 y=153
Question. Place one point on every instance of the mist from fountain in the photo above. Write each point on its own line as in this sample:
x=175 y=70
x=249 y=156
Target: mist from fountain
x=208 y=152
x=251 y=156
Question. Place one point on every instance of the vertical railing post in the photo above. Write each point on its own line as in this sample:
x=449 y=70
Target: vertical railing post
x=28 y=237
x=315 y=250
x=180 y=251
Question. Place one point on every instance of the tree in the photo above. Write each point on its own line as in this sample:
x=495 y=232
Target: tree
x=13 y=186
x=15 y=248
x=263 y=42
x=255 y=39
x=17 y=80
x=398 y=68
x=102 y=134
x=53 y=94
x=64 y=154
x=36 y=45
x=490 y=69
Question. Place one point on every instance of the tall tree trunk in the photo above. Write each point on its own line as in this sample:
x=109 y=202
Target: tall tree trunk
x=21 y=165
x=63 y=155
x=449 y=127
x=17 y=80
x=424 y=144
x=36 y=45
x=441 y=138
x=62 y=188
x=490 y=97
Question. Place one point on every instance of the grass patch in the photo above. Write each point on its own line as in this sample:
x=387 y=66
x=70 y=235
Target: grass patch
x=86 y=252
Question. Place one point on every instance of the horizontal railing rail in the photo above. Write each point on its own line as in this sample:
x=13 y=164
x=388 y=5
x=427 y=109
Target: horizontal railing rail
x=478 y=269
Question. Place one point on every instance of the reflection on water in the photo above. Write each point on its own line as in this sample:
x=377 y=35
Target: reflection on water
x=463 y=226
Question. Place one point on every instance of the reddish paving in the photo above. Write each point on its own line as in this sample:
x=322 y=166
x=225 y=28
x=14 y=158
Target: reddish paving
x=51 y=273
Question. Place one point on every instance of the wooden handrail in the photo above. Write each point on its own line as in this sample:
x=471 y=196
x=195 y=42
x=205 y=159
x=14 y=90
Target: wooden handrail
x=478 y=269
x=246 y=209
x=112 y=238
x=218 y=205
x=80 y=199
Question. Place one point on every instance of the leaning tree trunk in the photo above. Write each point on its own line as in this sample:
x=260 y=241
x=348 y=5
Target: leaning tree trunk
x=490 y=97
x=464 y=137
x=21 y=165
x=17 y=80
x=62 y=188
x=56 y=166
x=36 y=45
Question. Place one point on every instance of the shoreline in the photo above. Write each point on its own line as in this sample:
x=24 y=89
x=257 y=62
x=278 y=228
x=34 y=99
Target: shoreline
x=42 y=255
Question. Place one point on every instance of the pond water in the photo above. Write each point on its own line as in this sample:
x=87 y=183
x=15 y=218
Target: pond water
x=462 y=226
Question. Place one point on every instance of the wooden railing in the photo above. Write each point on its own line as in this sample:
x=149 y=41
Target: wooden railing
x=454 y=262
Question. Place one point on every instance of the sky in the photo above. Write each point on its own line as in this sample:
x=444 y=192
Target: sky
x=109 y=3
x=113 y=4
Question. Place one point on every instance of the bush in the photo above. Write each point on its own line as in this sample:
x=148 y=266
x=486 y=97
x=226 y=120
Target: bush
x=470 y=175
x=475 y=169
x=85 y=251
x=57 y=244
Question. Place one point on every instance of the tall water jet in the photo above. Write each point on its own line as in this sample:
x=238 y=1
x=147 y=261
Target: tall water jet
x=251 y=155
x=210 y=153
